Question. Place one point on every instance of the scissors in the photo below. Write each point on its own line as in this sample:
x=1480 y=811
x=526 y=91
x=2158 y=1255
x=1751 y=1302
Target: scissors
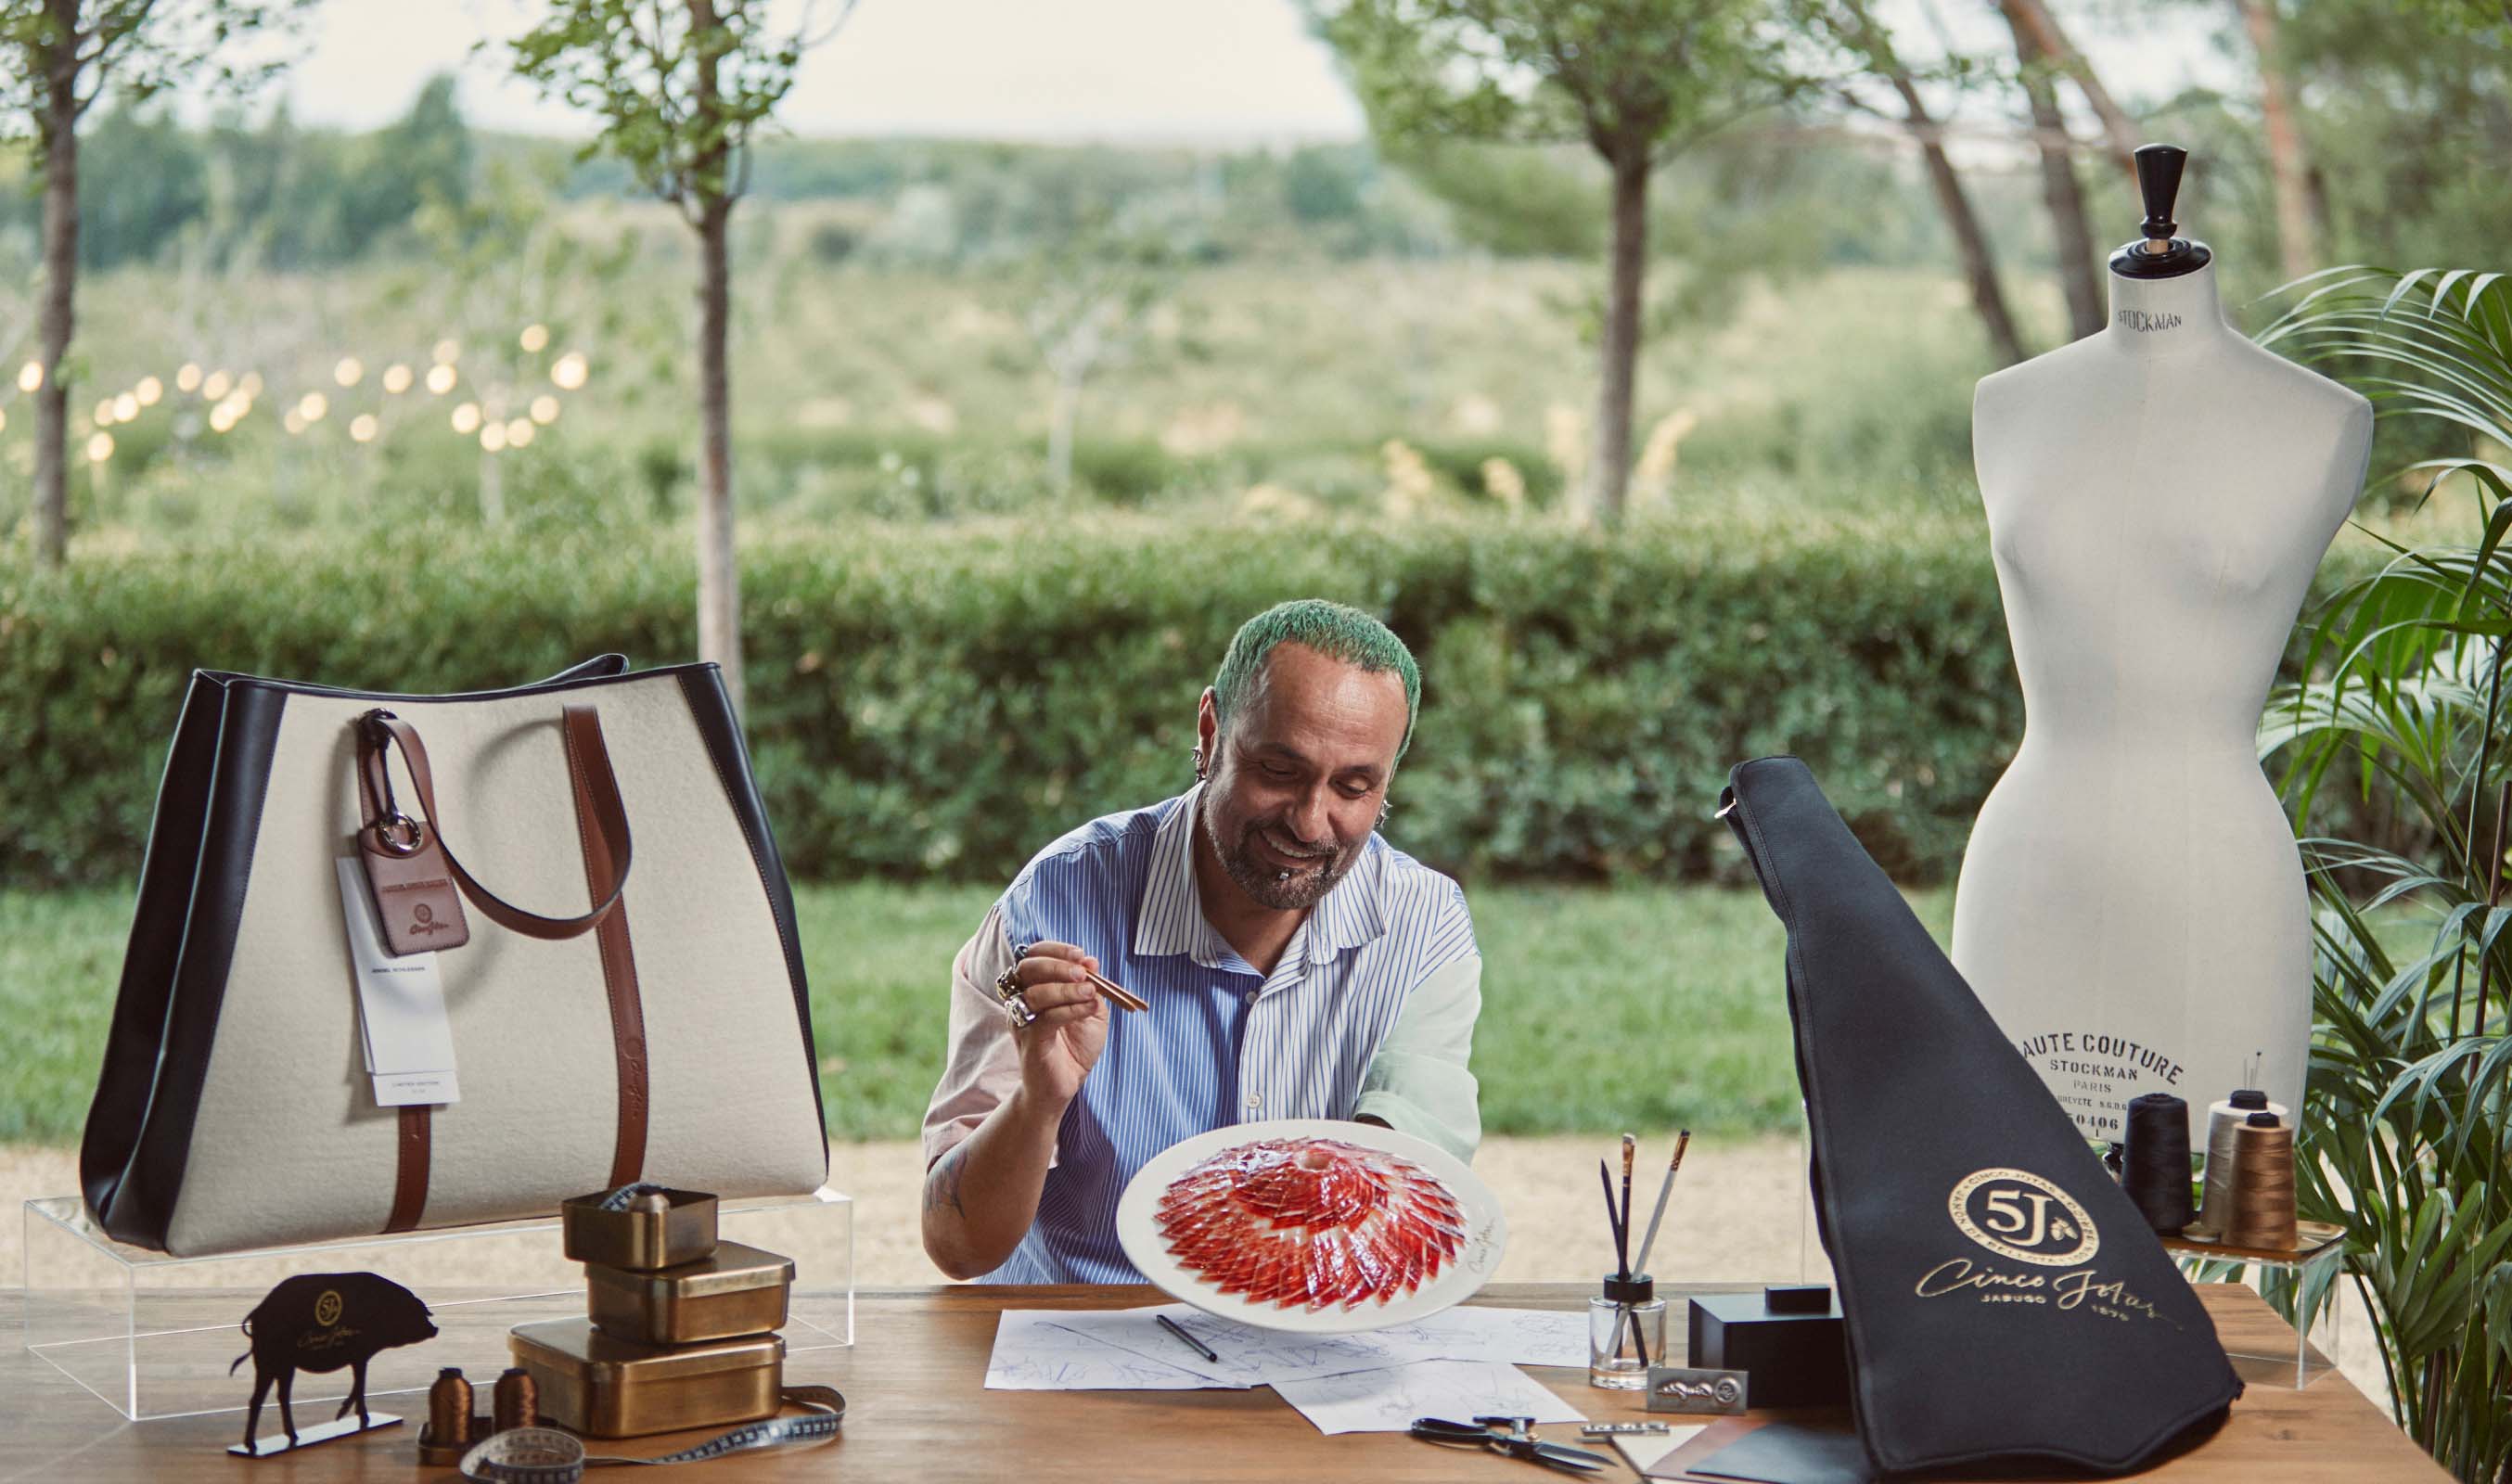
x=1518 y=1441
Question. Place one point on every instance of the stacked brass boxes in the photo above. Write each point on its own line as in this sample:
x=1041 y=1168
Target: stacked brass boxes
x=680 y=1329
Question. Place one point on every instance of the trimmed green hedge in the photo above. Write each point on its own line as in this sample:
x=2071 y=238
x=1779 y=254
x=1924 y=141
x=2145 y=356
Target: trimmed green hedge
x=940 y=702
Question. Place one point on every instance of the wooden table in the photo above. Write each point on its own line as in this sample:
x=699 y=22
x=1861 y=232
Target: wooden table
x=918 y=1410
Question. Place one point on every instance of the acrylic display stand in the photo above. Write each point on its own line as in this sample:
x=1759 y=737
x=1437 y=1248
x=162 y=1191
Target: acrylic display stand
x=2315 y=1267
x=152 y=1334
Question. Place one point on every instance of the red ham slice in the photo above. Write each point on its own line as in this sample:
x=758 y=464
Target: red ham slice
x=1311 y=1222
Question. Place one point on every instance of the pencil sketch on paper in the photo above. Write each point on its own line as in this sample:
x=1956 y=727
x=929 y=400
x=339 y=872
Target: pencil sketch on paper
x=1387 y=1400
x=1030 y=1355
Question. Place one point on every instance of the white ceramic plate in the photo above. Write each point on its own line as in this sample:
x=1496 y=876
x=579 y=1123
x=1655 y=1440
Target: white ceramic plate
x=1487 y=1229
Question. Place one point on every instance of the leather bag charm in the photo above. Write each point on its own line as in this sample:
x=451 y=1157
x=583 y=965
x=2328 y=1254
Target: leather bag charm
x=416 y=898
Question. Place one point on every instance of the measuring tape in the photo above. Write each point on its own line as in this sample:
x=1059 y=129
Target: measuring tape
x=547 y=1456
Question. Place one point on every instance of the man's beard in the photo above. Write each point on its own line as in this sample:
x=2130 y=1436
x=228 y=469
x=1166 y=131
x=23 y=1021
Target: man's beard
x=1279 y=888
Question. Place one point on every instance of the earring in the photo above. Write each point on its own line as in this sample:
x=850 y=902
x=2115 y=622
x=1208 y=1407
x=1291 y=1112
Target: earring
x=1196 y=752
x=1383 y=807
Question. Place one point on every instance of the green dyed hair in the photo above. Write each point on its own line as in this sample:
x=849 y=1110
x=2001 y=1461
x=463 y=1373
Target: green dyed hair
x=1332 y=629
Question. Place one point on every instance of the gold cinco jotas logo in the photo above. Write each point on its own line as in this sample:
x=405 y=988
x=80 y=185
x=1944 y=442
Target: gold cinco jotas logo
x=2016 y=1214
x=327 y=1308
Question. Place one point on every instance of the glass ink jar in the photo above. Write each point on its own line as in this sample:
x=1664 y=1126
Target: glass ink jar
x=1626 y=1333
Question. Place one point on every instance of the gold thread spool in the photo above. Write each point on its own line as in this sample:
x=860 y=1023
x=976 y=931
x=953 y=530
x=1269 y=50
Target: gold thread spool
x=2262 y=1187
x=2215 y=1208
x=448 y=1409
x=518 y=1402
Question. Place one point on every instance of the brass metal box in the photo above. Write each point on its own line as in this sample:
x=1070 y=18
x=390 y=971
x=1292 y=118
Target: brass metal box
x=682 y=1232
x=738 y=1291
x=603 y=1387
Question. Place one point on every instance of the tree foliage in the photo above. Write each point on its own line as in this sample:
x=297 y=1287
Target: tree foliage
x=1618 y=75
x=680 y=88
x=137 y=47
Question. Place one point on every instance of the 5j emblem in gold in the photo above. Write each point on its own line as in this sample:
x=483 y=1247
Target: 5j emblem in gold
x=2016 y=1214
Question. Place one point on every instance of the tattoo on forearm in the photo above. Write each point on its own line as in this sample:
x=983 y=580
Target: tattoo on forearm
x=942 y=1182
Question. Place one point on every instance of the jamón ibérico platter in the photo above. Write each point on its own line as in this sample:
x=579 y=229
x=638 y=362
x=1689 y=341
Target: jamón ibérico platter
x=1311 y=1225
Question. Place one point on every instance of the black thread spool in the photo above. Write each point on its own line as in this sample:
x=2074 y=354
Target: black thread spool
x=2155 y=1172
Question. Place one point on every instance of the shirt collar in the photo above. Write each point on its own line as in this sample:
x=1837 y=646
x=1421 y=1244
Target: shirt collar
x=1171 y=920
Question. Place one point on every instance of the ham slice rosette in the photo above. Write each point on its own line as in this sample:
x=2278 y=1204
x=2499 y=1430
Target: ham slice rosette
x=1311 y=1222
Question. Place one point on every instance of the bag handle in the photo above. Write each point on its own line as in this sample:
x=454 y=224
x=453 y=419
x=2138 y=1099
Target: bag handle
x=398 y=834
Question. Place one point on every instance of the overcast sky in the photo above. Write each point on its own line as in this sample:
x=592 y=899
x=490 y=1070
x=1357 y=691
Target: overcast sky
x=1058 y=69
x=1220 y=70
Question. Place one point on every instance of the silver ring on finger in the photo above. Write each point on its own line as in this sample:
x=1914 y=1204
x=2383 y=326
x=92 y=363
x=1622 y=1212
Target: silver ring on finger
x=1017 y=1008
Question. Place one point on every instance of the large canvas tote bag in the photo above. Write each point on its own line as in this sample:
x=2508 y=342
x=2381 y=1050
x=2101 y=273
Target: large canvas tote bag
x=626 y=1000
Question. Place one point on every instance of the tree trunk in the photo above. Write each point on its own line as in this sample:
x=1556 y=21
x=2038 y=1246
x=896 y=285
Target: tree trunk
x=712 y=193
x=2289 y=168
x=2117 y=127
x=60 y=284
x=1978 y=264
x=1060 y=421
x=719 y=576
x=2072 y=233
x=492 y=491
x=1609 y=471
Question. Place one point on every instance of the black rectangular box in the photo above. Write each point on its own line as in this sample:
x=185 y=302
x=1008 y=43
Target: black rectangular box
x=1797 y=1359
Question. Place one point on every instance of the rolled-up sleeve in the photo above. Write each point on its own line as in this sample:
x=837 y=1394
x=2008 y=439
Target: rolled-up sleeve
x=983 y=1066
x=1418 y=1082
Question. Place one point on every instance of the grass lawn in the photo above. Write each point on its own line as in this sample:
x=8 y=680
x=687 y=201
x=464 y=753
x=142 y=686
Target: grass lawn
x=1638 y=1007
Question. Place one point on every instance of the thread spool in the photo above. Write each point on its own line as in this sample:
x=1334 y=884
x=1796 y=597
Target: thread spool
x=2214 y=1209
x=448 y=1409
x=2262 y=1188
x=518 y=1402
x=2155 y=1171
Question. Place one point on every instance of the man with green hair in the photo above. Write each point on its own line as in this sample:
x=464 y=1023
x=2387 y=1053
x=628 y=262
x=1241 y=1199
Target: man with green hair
x=1291 y=965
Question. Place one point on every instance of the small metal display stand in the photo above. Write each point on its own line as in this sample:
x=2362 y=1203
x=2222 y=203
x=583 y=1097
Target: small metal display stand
x=131 y=1326
x=2315 y=1266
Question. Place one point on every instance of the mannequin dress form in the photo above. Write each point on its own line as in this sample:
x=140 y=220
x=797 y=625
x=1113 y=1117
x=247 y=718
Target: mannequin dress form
x=2131 y=907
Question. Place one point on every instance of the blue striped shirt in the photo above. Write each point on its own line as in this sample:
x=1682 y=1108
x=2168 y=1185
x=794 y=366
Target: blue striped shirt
x=1334 y=1031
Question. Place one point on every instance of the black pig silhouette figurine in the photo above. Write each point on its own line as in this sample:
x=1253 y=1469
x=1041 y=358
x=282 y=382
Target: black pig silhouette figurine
x=321 y=1321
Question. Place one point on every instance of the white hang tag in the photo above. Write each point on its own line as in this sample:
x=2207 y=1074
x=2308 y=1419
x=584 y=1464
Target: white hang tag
x=408 y=1036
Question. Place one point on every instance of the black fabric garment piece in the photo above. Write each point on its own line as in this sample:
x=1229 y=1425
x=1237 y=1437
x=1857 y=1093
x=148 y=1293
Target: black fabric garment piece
x=2003 y=1301
x=1792 y=1453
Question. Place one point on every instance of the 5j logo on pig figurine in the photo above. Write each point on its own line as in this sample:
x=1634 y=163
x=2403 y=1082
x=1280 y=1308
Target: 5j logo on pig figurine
x=321 y=1321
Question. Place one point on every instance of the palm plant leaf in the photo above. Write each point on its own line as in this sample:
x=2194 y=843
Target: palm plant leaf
x=2408 y=1111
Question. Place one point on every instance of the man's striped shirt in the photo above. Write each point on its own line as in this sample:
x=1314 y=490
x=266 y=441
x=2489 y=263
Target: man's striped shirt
x=1369 y=1010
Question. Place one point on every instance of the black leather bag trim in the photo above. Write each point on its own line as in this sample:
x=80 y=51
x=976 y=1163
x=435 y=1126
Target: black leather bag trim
x=600 y=669
x=139 y=1134
x=712 y=710
x=131 y=1047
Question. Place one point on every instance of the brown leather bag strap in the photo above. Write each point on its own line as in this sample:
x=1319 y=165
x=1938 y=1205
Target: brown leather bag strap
x=596 y=788
x=585 y=763
x=410 y=1169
